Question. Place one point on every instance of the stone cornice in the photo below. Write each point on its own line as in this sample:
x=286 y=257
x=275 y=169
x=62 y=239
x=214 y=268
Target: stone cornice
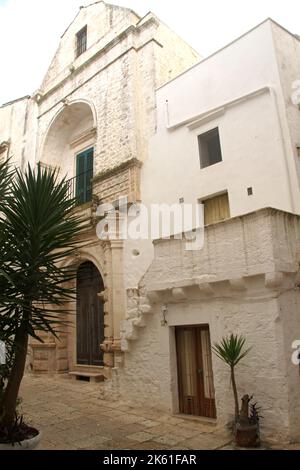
x=133 y=162
x=83 y=137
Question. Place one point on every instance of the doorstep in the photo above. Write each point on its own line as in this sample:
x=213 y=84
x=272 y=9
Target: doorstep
x=91 y=376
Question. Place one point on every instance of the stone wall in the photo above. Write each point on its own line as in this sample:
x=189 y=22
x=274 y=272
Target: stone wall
x=117 y=75
x=17 y=129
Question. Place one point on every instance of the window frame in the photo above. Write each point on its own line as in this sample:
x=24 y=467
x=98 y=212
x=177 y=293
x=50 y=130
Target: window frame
x=204 y=156
x=81 y=41
x=217 y=198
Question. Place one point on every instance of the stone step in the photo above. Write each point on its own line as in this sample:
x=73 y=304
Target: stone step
x=88 y=376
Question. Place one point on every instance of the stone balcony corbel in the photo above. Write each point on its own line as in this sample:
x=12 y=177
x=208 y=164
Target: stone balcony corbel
x=273 y=280
x=179 y=293
x=206 y=289
x=237 y=284
x=155 y=297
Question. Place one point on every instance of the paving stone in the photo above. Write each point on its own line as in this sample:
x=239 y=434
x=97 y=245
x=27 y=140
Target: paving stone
x=148 y=423
x=168 y=440
x=71 y=416
x=140 y=436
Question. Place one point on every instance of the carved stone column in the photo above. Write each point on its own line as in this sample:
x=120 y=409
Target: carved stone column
x=118 y=291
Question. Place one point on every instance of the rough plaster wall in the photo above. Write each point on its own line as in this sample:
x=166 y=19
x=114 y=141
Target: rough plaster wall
x=150 y=374
x=231 y=249
x=18 y=125
x=258 y=246
x=139 y=379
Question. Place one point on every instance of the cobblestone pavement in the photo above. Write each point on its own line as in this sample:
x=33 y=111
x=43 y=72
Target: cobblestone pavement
x=72 y=416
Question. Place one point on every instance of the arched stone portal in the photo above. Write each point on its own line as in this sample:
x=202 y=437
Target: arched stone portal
x=72 y=131
x=89 y=315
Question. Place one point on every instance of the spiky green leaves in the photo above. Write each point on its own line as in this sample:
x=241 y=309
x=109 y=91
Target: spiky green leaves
x=38 y=230
x=231 y=349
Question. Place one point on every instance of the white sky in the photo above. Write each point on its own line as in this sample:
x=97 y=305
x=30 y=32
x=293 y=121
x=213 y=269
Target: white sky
x=30 y=30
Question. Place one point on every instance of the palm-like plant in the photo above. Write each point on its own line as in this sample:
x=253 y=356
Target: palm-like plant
x=38 y=229
x=231 y=350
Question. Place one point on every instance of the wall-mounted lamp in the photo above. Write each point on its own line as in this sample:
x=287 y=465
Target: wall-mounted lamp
x=164 y=311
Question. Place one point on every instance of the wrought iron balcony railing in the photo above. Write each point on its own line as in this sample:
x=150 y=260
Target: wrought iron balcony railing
x=80 y=188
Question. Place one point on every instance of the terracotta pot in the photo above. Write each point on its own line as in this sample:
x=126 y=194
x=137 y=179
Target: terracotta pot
x=247 y=436
x=28 y=444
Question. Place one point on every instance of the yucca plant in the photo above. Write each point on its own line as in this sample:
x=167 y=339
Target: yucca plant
x=38 y=229
x=231 y=350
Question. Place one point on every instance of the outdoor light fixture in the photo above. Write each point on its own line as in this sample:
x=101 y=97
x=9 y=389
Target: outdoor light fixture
x=164 y=311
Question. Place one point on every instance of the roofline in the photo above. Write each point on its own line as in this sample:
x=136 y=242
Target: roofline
x=230 y=44
x=26 y=97
x=95 y=3
x=170 y=29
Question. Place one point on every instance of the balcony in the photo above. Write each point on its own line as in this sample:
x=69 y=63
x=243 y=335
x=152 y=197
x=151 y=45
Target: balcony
x=80 y=188
x=107 y=186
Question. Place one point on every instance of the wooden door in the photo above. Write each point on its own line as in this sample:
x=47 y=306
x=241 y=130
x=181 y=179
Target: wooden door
x=84 y=175
x=195 y=376
x=90 y=316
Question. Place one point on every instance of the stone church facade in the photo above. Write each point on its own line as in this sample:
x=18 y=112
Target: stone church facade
x=124 y=110
x=98 y=95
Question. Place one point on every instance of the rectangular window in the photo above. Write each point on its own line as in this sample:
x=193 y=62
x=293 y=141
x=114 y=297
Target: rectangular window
x=81 y=41
x=84 y=175
x=216 y=209
x=209 y=148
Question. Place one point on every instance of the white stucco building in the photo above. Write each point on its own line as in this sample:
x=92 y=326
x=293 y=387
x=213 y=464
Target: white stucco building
x=129 y=109
x=228 y=133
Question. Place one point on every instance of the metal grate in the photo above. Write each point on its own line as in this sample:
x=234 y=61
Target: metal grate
x=81 y=44
x=73 y=191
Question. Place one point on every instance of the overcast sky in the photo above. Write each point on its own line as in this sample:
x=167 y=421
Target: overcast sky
x=30 y=30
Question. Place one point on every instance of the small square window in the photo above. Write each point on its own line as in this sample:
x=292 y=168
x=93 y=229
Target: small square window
x=81 y=41
x=210 y=148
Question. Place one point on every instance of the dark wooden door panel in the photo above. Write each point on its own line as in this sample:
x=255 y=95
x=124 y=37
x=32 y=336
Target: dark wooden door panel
x=195 y=380
x=90 y=315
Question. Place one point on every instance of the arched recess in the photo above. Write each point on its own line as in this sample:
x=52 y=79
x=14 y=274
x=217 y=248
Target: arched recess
x=89 y=315
x=71 y=131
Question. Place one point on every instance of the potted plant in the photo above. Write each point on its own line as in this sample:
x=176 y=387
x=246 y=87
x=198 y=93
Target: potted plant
x=231 y=350
x=247 y=428
x=38 y=229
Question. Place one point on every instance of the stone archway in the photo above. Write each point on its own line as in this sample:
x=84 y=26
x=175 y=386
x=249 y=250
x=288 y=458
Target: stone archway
x=89 y=315
x=72 y=130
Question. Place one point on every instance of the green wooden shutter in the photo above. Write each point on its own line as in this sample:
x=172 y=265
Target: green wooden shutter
x=84 y=175
x=89 y=173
